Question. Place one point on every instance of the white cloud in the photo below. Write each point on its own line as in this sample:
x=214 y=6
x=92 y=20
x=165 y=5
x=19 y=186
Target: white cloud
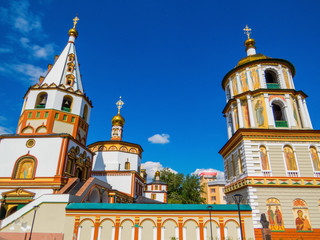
x=38 y=51
x=152 y=167
x=220 y=175
x=28 y=73
x=19 y=16
x=4 y=130
x=160 y=139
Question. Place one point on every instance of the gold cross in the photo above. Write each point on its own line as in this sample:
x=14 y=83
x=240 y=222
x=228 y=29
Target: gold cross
x=75 y=21
x=247 y=31
x=119 y=104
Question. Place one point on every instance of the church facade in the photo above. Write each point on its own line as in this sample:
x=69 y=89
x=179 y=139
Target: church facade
x=272 y=155
x=55 y=186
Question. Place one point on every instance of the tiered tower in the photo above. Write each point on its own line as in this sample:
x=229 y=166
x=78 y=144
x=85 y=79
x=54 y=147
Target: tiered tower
x=272 y=155
x=117 y=162
x=157 y=190
x=49 y=145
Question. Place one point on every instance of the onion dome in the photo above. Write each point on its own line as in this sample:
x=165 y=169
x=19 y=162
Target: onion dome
x=157 y=174
x=118 y=120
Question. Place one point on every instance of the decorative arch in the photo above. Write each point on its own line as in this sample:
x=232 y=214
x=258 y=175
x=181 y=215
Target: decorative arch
x=315 y=158
x=301 y=215
x=191 y=220
x=170 y=219
x=127 y=219
x=272 y=78
x=85 y=112
x=41 y=100
x=102 y=148
x=107 y=219
x=41 y=129
x=290 y=158
x=113 y=148
x=95 y=195
x=208 y=222
x=124 y=149
x=278 y=106
x=274 y=213
x=25 y=167
x=28 y=129
x=86 y=219
x=67 y=103
x=231 y=220
x=132 y=150
x=148 y=219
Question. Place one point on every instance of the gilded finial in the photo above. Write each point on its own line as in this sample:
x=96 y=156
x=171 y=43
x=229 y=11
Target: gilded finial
x=75 y=21
x=247 y=31
x=119 y=104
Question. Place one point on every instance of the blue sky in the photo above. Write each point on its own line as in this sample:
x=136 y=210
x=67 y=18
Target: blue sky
x=165 y=58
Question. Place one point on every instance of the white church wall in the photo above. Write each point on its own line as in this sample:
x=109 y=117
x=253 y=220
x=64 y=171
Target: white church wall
x=47 y=157
x=119 y=181
x=110 y=161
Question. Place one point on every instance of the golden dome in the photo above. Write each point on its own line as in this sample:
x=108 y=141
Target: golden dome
x=117 y=120
x=73 y=32
x=249 y=43
x=251 y=58
x=157 y=173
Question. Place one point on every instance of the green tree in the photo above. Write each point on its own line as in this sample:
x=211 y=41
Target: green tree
x=182 y=189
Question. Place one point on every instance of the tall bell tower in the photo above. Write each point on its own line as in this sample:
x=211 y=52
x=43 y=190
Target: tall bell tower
x=49 y=146
x=272 y=155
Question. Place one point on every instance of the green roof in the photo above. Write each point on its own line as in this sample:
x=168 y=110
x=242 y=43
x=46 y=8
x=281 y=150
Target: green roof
x=156 y=207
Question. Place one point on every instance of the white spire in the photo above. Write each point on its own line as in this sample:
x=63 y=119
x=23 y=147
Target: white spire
x=66 y=69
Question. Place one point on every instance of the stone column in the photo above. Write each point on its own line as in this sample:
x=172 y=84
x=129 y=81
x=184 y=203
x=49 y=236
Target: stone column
x=231 y=88
x=261 y=78
x=302 y=112
x=249 y=79
x=240 y=113
x=269 y=110
x=281 y=78
x=291 y=120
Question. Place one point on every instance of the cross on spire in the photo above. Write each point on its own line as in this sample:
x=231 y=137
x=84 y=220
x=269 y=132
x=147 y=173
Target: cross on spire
x=247 y=31
x=75 y=21
x=119 y=104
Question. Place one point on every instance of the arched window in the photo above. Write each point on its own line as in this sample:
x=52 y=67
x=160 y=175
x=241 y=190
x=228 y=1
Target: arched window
x=301 y=215
x=25 y=168
x=41 y=100
x=265 y=167
x=315 y=161
x=127 y=165
x=271 y=79
x=228 y=94
x=279 y=115
x=275 y=215
x=69 y=80
x=85 y=112
x=290 y=160
x=66 y=103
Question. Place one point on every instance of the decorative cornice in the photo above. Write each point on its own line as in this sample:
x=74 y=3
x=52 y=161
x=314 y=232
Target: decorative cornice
x=273 y=182
x=287 y=135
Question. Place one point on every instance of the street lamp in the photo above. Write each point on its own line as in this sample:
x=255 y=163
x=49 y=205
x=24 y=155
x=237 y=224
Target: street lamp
x=210 y=209
x=238 y=198
x=35 y=208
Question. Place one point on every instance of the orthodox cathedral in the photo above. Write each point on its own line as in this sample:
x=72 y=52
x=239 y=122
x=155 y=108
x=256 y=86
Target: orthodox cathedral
x=55 y=186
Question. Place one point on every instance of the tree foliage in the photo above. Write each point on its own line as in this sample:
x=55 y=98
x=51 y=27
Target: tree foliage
x=182 y=189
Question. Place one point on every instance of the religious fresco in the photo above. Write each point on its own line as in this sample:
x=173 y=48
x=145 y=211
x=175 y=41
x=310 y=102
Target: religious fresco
x=234 y=86
x=260 y=112
x=245 y=110
x=286 y=78
x=235 y=112
x=244 y=81
x=255 y=78
x=274 y=214
x=315 y=158
x=25 y=169
x=264 y=158
x=301 y=215
x=290 y=159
